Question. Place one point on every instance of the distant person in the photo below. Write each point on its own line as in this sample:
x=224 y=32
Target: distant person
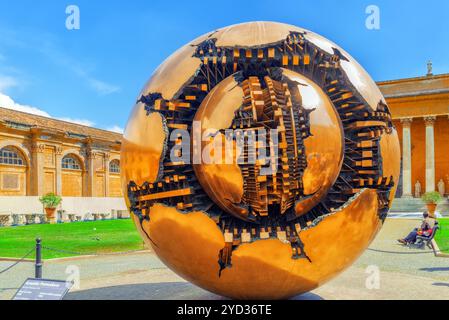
x=424 y=230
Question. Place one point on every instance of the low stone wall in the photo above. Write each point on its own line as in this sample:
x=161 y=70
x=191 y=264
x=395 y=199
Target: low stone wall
x=417 y=205
x=71 y=209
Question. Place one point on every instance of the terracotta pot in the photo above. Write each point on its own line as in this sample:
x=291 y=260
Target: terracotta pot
x=431 y=207
x=50 y=214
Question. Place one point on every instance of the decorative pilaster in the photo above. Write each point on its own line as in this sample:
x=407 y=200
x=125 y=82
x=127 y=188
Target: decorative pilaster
x=406 y=158
x=430 y=153
x=58 y=170
x=107 y=158
x=37 y=168
x=90 y=176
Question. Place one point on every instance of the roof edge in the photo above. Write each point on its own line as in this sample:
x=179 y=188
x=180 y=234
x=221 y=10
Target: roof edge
x=438 y=76
x=62 y=121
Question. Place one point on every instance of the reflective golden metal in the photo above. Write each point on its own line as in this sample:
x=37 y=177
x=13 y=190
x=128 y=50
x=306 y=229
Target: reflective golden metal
x=263 y=269
x=391 y=156
x=222 y=180
x=324 y=148
x=142 y=147
x=229 y=227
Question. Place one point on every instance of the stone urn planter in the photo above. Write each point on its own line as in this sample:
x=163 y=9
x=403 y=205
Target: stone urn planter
x=50 y=215
x=50 y=201
x=431 y=208
x=431 y=200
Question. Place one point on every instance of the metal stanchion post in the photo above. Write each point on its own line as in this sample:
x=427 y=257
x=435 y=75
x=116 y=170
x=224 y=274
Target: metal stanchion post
x=38 y=264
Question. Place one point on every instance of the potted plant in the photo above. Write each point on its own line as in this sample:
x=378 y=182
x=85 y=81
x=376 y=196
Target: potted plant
x=50 y=202
x=431 y=199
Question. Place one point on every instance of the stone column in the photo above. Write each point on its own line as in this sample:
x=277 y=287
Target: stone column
x=90 y=176
x=107 y=158
x=430 y=153
x=37 y=168
x=58 y=170
x=85 y=191
x=406 y=158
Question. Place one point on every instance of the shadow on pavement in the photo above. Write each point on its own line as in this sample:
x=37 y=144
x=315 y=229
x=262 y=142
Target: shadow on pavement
x=435 y=269
x=157 y=291
x=8 y=289
x=308 y=296
x=146 y=291
x=440 y=284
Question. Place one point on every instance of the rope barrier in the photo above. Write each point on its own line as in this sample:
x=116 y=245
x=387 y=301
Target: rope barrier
x=401 y=252
x=67 y=252
x=137 y=250
x=133 y=251
x=17 y=262
x=90 y=253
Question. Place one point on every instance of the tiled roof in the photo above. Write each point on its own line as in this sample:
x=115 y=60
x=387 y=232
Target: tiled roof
x=22 y=119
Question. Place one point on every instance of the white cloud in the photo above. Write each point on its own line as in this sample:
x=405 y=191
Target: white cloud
x=82 y=122
x=7 y=82
x=9 y=103
x=101 y=87
x=115 y=128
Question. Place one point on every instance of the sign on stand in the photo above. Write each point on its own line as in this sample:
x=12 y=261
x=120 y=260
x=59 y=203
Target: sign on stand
x=43 y=289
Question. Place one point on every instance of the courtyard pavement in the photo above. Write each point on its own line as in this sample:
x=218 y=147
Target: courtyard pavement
x=406 y=274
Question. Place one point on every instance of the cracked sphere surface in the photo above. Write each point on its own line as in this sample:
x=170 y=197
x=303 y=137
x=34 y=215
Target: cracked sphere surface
x=260 y=161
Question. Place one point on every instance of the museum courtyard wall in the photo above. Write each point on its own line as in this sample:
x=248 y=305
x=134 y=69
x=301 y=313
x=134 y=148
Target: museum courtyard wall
x=81 y=207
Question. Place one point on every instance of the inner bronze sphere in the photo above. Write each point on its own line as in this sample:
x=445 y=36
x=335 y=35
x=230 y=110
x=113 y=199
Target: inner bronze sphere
x=260 y=161
x=309 y=149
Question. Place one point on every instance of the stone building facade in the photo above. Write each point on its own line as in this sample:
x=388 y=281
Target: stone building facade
x=420 y=110
x=39 y=155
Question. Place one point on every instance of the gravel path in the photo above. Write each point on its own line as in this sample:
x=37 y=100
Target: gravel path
x=413 y=274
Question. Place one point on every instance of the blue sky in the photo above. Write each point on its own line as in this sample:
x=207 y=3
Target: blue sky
x=93 y=75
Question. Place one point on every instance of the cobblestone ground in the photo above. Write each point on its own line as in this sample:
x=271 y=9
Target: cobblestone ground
x=406 y=274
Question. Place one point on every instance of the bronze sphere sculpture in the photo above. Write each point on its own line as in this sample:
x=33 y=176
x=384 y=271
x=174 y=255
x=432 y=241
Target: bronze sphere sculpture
x=260 y=161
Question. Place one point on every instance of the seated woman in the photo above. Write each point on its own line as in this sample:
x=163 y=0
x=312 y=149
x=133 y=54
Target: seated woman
x=424 y=230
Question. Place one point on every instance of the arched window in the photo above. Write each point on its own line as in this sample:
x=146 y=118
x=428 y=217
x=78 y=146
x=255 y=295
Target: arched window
x=11 y=156
x=114 y=166
x=71 y=162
